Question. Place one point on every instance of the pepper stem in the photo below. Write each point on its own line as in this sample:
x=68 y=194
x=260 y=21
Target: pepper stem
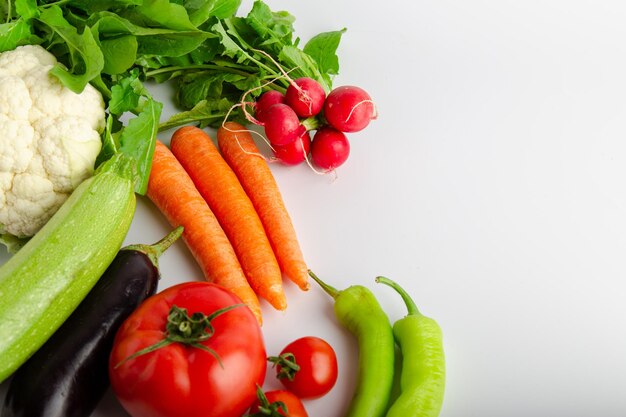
x=410 y=304
x=332 y=291
x=154 y=251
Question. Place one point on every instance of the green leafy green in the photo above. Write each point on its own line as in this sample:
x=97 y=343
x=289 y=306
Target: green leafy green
x=202 y=114
x=201 y=10
x=323 y=49
x=155 y=41
x=26 y=9
x=132 y=141
x=90 y=7
x=126 y=95
x=138 y=137
x=274 y=28
x=86 y=59
x=119 y=53
x=14 y=34
x=162 y=13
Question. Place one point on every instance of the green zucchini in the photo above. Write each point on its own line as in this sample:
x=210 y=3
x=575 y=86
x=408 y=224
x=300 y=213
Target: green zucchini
x=45 y=281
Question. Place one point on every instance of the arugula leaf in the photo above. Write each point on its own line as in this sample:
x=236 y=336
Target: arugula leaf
x=205 y=113
x=110 y=141
x=201 y=10
x=119 y=53
x=126 y=95
x=5 y=10
x=26 y=9
x=160 y=12
x=87 y=60
x=138 y=139
x=14 y=34
x=93 y=6
x=150 y=41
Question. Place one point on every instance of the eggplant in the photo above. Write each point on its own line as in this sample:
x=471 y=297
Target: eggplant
x=68 y=375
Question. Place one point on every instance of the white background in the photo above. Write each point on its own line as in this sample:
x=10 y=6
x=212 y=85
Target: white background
x=491 y=187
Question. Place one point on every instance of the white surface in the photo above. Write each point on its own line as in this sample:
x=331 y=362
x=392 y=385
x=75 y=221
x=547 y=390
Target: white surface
x=491 y=187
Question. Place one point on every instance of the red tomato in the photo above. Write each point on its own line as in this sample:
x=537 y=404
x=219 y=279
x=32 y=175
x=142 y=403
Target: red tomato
x=318 y=367
x=178 y=380
x=294 y=406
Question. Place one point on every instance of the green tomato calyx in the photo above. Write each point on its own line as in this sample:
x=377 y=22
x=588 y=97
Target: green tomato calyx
x=188 y=330
x=288 y=365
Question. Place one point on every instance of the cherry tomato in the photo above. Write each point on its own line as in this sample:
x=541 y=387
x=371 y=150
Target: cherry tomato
x=269 y=405
x=316 y=365
x=214 y=376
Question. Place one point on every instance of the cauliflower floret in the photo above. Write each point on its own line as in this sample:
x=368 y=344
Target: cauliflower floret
x=49 y=139
x=24 y=59
x=70 y=142
x=16 y=96
x=15 y=154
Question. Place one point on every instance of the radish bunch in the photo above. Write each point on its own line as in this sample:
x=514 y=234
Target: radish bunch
x=289 y=119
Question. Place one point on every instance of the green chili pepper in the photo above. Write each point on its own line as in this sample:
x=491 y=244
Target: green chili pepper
x=422 y=382
x=358 y=311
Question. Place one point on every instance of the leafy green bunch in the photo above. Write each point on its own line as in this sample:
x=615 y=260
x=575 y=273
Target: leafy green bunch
x=214 y=58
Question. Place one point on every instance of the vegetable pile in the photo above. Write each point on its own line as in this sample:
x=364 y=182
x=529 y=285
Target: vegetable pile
x=78 y=143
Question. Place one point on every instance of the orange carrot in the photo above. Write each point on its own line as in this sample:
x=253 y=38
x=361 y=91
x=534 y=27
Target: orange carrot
x=174 y=193
x=221 y=189
x=243 y=156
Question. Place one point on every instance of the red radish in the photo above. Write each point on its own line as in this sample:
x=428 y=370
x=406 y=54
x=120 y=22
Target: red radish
x=294 y=152
x=305 y=96
x=330 y=148
x=349 y=108
x=282 y=124
x=265 y=101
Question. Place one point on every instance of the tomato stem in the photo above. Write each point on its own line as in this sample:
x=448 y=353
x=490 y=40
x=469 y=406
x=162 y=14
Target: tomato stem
x=287 y=363
x=188 y=330
x=267 y=409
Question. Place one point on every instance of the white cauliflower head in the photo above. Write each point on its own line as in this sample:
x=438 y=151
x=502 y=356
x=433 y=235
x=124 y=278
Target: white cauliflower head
x=49 y=139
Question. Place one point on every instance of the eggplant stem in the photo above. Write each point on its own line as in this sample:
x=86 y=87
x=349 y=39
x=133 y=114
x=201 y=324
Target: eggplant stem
x=154 y=251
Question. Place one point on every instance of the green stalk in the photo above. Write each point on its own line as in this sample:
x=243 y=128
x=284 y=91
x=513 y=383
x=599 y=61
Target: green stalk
x=332 y=291
x=165 y=70
x=153 y=252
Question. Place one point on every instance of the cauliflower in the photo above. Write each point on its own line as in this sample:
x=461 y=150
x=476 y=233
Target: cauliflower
x=49 y=139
